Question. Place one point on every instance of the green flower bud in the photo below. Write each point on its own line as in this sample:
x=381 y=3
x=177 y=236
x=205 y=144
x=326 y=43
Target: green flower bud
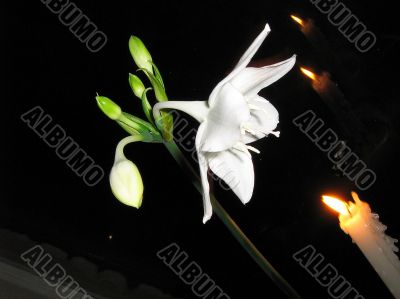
x=140 y=54
x=136 y=85
x=108 y=107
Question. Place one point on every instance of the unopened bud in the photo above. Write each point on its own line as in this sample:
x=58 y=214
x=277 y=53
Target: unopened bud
x=125 y=179
x=140 y=54
x=109 y=108
x=136 y=85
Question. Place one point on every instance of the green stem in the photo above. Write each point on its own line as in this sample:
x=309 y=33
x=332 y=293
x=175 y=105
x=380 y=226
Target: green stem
x=237 y=233
x=119 y=151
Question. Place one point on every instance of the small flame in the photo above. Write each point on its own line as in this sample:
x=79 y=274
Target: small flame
x=297 y=20
x=355 y=196
x=308 y=73
x=336 y=204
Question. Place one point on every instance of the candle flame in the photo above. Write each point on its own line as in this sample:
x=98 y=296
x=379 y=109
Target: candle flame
x=336 y=204
x=355 y=196
x=297 y=20
x=308 y=73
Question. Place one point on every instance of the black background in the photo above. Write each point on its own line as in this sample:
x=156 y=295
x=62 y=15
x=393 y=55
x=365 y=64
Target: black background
x=195 y=44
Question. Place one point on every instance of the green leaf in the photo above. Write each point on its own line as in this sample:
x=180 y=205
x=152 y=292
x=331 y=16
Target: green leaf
x=148 y=136
x=146 y=106
x=127 y=128
x=168 y=126
x=158 y=74
x=137 y=123
x=159 y=90
x=165 y=123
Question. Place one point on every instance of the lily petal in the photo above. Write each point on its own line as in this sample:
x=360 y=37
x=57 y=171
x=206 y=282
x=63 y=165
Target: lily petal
x=235 y=167
x=196 y=109
x=265 y=119
x=251 y=80
x=243 y=62
x=248 y=55
x=222 y=127
x=203 y=174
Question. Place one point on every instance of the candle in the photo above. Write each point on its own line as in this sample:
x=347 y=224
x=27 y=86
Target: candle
x=364 y=227
x=319 y=43
x=306 y=26
x=332 y=96
x=323 y=50
x=329 y=92
x=329 y=59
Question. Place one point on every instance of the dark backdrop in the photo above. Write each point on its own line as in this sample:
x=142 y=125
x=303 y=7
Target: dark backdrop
x=195 y=44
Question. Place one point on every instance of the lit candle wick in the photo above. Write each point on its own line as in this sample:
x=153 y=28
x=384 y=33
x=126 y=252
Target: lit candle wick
x=308 y=73
x=297 y=20
x=368 y=233
x=336 y=204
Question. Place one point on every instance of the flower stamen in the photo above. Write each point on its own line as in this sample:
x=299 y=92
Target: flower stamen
x=253 y=149
x=246 y=127
x=256 y=108
x=240 y=146
x=275 y=133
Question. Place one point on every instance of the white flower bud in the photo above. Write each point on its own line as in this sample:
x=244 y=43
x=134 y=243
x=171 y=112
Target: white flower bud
x=125 y=179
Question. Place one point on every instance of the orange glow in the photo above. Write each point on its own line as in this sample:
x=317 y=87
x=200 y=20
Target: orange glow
x=355 y=196
x=308 y=73
x=297 y=20
x=336 y=204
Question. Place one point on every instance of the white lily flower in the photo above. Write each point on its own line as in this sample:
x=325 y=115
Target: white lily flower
x=234 y=116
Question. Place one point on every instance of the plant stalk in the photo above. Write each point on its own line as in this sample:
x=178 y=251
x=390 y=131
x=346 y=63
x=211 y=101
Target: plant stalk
x=235 y=230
